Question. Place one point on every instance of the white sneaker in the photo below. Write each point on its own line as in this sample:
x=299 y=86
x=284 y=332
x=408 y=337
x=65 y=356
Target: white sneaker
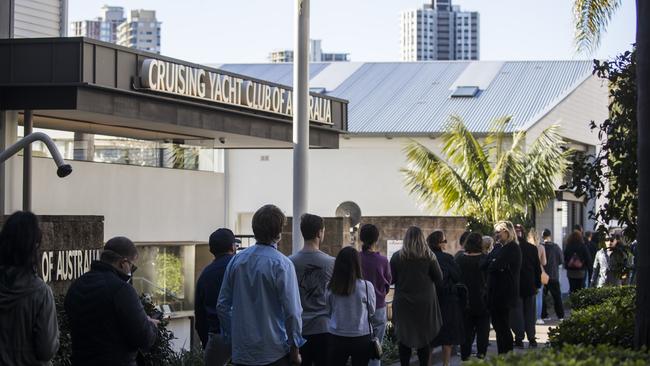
x=540 y=322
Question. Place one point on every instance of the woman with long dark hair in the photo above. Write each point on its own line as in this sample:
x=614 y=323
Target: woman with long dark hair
x=29 y=334
x=416 y=313
x=448 y=297
x=576 y=261
x=351 y=304
x=375 y=269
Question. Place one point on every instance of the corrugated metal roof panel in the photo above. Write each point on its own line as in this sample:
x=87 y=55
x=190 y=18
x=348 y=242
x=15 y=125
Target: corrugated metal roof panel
x=415 y=97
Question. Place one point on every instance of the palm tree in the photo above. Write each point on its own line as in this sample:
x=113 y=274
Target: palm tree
x=592 y=17
x=491 y=179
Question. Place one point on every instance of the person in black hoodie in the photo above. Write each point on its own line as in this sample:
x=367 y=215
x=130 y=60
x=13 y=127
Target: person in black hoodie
x=503 y=265
x=476 y=318
x=108 y=324
x=29 y=334
x=451 y=332
x=522 y=319
x=576 y=261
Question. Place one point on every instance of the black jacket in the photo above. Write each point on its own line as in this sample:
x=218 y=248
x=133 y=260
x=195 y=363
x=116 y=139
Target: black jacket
x=503 y=265
x=107 y=320
x=583 y=253
x=530 y=278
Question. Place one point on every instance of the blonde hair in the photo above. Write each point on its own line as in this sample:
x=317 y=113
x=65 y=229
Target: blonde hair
x=415 y=246
x=533 y=237
x=509 y=227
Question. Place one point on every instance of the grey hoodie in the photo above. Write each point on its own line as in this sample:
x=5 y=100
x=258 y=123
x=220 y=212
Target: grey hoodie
x=29 y=333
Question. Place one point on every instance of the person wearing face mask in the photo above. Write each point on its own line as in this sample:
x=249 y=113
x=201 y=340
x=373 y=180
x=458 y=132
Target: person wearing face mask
x=259 y=303
x=108 y=324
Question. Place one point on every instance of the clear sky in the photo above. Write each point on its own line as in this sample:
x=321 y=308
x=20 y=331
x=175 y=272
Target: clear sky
x=229 y=31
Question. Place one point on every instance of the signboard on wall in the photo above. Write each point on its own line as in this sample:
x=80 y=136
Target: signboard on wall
x=392 y=246
x=199 y=83
x=66 y=265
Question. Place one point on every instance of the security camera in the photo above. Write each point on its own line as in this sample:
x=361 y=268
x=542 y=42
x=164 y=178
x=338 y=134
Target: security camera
x=222 y=140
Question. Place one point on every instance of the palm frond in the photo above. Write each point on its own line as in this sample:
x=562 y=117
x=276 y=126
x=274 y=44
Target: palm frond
x=546 y=160
x=495 y=139
x=591 y=19
x=436 y=182
x=464 y=151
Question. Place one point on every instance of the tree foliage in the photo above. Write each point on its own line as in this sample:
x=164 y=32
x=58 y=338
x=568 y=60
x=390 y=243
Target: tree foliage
x=591 y=19
x=611 y=173
x=492 y=179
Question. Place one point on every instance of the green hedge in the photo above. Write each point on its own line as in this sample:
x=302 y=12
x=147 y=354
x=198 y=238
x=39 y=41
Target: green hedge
x=594 y=296
x=160 y=354
x=570 y=355
x=610 y=322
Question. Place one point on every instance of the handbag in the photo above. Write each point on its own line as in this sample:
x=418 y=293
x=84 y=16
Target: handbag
x=545 y=278
x=375 y=344
x=575 y=262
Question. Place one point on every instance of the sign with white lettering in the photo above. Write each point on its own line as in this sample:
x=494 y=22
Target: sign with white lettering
x=66 y=265
x=169 y=77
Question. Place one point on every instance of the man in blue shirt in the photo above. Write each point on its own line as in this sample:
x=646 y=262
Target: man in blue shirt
x=259 y=303
x=222 y=245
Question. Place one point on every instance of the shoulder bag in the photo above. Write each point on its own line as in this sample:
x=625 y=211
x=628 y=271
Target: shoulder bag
x=375 y=344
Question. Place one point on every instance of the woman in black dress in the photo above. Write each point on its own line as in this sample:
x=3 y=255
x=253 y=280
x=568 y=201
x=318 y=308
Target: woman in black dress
x=451 y=332
x=476 y=316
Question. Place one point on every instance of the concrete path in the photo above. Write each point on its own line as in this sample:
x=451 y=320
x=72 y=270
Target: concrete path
x=542 y=338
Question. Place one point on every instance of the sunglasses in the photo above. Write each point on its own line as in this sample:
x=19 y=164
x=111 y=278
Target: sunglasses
x=133 y=266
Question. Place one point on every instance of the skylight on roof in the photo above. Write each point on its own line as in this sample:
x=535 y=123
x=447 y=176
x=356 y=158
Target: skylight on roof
x=465 y=92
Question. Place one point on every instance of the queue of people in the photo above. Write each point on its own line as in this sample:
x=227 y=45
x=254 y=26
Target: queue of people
x=260 y=307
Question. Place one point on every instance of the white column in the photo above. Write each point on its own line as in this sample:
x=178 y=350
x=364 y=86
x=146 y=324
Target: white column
x=300 y=120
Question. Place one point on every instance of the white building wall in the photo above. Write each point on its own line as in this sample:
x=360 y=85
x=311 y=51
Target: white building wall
x=574 y=113
x=365 y=170
x=144 y=204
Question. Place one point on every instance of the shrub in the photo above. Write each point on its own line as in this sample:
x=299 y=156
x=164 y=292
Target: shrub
x=160 y=354
x=389 y=347
x=611 y=322
x=570 y=355
x=594 y=296
x=193 y=357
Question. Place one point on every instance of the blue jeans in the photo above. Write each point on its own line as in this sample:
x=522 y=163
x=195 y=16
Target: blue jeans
x=538 y=303
x=378 y=321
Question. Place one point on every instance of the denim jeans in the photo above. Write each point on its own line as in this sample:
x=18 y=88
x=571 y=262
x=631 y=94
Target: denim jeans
x=378 y=321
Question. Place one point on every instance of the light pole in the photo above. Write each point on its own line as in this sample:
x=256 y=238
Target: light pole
x=300 y=120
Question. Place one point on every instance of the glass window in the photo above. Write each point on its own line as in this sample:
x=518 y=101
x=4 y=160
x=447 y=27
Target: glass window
x=166 y=274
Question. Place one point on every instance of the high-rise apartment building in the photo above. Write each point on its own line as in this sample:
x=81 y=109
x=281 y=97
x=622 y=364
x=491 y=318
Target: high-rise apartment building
x=439 y=31
x=316 y=54
x=104 y=28
x=140 y=30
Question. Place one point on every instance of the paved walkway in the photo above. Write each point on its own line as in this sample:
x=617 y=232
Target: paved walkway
x=542 y=338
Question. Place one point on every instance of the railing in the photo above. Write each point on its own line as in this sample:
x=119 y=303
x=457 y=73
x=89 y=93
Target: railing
x=246 y=241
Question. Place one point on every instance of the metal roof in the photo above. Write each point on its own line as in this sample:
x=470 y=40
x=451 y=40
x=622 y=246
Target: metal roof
x=415 y=97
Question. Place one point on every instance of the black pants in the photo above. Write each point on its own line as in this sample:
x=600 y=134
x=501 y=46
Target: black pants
x=576 y=284
x=501 y=323
x=405 y=355
x=339 y=349
x=523 y=318
x=553 y=287
x=475 y=326
x=314 y=352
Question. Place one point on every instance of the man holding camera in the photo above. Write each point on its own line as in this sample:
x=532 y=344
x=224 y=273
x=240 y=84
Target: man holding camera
x=108 y=323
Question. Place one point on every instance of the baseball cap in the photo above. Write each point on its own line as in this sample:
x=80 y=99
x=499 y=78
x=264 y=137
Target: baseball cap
x=222 y=240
